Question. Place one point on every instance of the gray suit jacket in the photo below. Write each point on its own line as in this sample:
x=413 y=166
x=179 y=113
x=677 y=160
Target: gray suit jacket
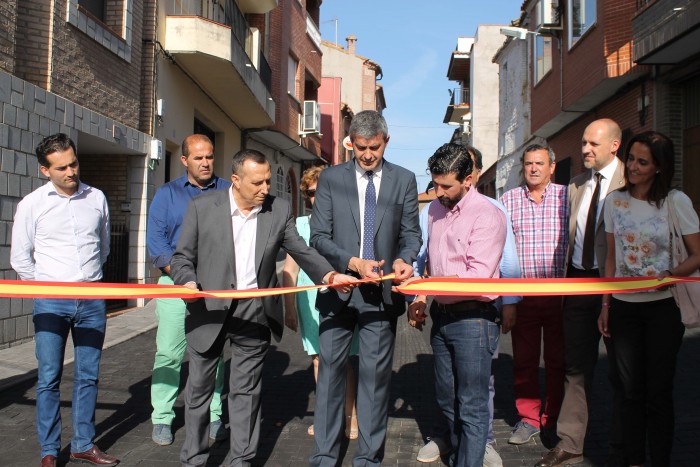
x=205 y=254
x=335 y=224
x=576 y=190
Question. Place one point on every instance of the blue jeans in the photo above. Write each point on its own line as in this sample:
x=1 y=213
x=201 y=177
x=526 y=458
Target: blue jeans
x=462 y=349
x=53 y=319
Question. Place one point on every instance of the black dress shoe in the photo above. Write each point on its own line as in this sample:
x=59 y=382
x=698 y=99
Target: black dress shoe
x=48 y=461
x=94 y=456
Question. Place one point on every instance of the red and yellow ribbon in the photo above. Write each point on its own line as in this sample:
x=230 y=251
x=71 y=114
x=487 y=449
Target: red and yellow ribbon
x=430 y=286
x=527 y=287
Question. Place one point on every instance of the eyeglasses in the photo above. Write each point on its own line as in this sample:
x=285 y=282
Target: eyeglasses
x=310 y=193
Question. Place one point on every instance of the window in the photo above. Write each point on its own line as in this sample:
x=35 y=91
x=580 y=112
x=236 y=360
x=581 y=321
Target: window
x=582 y=15
x=543 y=56
x=95 y=7
x=108 y=22
x=283 y=188
x=292 y=67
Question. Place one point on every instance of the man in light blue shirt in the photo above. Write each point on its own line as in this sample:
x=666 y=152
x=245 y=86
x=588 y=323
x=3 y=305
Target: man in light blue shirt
x=509 y=268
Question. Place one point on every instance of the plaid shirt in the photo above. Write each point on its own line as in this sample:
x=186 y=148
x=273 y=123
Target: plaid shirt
x=541 y=230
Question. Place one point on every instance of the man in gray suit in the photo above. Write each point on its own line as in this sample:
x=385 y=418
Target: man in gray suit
x=586 y=257
x=365 y=222
x=230 y=240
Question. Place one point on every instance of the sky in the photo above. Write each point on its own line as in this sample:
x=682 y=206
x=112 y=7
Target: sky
x=413 y=41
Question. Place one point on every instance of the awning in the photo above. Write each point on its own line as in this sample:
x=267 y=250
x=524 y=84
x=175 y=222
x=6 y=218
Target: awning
x=285 y=144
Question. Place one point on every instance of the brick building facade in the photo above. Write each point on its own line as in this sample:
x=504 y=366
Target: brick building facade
x=294 y=44
x=583 y=70
x=62 y=69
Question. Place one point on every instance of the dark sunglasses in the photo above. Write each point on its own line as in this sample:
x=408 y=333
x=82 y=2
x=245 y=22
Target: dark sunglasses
x=310 y=193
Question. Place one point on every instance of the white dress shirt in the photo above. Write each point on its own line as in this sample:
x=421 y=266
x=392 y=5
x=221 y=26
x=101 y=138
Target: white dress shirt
x=61 y=238
x=606 y=175
x=362 y=182
x=245 y=232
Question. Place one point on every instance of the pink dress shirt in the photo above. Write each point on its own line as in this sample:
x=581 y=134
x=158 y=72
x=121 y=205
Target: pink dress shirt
x=466 y=241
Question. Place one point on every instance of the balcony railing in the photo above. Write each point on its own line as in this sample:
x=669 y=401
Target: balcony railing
x=265 y=71
x=459 y=96
x=312 y=31
x=225 y=12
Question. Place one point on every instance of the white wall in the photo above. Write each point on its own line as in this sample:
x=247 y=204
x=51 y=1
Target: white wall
x=514 y=104
x=484 y=86
x=338 y=63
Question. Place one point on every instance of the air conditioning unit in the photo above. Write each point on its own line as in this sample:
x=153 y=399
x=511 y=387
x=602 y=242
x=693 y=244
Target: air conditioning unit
x=311 y=120
x=548 y=15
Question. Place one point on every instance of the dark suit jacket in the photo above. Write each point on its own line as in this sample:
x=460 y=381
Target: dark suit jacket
x=335 y=224
x=576 y=189
x=205 y=254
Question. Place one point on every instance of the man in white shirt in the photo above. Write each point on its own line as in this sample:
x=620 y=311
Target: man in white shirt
x=61 y=233
x=230 y=240
x=586 y=256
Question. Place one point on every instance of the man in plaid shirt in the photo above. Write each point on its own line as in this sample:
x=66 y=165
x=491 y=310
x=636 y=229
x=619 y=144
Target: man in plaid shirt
x=540 y=215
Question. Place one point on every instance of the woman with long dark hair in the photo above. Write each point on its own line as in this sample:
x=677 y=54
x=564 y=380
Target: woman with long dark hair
x=645 y=329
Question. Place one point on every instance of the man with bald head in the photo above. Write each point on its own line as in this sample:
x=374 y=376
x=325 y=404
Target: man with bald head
x=586 y=256
x=164 y=223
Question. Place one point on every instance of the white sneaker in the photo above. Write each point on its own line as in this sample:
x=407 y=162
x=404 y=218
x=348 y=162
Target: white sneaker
x=432 y=450
x=491 y=457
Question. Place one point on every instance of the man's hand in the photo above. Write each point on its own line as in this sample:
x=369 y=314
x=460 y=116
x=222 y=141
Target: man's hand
x=343 y=283
x=366 y=268
x=406 y=281
x=507 y=318
x=416 y=312
x=402 y=270
x=191 y=285
x=290 y=319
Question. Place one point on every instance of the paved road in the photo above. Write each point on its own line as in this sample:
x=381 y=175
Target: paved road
x=124 y=428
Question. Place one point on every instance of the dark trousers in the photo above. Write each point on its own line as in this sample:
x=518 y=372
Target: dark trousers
x=539 y=318
x=376 y=323
x=249 y=339
x=644 y=343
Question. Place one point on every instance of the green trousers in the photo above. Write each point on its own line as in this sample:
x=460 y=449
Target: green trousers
x=170 y=351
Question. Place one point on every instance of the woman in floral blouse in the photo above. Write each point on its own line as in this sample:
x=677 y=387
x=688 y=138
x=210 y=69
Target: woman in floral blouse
x=645 y=329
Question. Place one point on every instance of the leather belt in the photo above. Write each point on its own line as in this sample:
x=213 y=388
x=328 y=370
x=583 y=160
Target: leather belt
x=468 y=309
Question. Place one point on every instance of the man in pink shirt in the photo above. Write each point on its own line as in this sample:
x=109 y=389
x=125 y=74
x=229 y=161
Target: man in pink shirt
x=467 y=234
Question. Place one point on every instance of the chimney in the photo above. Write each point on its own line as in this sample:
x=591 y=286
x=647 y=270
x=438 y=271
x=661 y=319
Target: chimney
x=351 y=43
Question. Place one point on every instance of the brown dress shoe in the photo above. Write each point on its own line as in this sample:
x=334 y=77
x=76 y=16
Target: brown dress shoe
x=94 y=456
x=48 y=461
x=558 y=457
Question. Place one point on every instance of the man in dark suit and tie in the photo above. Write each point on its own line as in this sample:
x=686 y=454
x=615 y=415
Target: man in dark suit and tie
x=230 y=240
x=365 y=222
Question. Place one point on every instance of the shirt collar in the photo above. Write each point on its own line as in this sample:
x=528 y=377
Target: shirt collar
x=608 y=171
x=211 y=184
x=235 y=210
x=462 y=204
x=526 y=189
x=360 y=172
x=81 y=188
